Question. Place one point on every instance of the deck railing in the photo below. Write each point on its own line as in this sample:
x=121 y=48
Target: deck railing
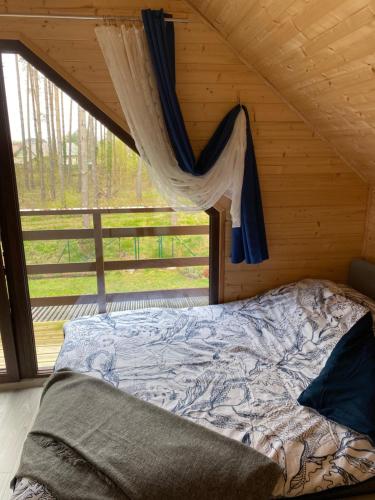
x=99 y=265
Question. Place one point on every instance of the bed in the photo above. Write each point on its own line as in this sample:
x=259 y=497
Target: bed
x=238 y=369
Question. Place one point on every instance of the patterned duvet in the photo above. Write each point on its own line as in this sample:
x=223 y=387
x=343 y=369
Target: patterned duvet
x=238 y=369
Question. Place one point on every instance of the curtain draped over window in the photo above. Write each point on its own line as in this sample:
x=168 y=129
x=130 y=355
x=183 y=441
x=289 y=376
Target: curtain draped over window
x=142 y=66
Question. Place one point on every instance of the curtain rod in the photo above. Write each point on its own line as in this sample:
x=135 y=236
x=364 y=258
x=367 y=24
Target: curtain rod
x=90 y=18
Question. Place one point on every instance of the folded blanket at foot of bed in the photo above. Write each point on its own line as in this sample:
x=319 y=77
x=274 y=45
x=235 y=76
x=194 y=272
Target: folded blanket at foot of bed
x=92 y=441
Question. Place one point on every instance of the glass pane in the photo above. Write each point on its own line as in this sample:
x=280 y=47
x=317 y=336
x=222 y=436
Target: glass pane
x=56 y=285
x=59 y=251
x=139 y=280
x=156 y=247
x=75 y=179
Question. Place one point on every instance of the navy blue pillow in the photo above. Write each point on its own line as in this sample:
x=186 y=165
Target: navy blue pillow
x=344 y=391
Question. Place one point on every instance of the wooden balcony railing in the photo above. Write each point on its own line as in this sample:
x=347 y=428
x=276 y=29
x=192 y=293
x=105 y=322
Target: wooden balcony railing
x=99 y=265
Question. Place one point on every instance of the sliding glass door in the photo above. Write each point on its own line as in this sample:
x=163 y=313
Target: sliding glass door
x=15 y=313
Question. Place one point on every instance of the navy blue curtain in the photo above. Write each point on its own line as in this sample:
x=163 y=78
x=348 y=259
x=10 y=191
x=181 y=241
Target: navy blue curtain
x=249 y=241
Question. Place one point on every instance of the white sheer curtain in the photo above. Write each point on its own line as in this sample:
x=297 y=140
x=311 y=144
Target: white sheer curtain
x=126 y=54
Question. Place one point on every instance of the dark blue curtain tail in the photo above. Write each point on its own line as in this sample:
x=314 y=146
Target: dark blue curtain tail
x=237 y=249
x=249 y=242
x=254 y=238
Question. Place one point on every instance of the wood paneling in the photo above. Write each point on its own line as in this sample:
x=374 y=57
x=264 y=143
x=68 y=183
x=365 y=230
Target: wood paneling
x=314 y=202
x=319 y=55
x=369 y=240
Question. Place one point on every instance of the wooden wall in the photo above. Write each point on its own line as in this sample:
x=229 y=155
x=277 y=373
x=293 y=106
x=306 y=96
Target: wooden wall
x=319 y=54
x=369 y=239
x=314 y=202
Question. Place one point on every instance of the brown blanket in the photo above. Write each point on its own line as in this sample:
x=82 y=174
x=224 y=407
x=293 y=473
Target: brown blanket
x=92 y=441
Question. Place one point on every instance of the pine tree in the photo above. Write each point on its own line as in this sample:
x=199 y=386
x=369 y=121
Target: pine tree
x=28 y=110
x=53 y=131
x=20 y=105
x=138 y=181
x=92 y=158
x=52 y=188
x=82 y=147
x=63 y=128
x=70 y=141
x=108 y=163
x=59 y=144
x=38 y=131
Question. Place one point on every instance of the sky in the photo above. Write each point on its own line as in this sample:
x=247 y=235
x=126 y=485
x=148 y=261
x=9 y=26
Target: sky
x=10 y=77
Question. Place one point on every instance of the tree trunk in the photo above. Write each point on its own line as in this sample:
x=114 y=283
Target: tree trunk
x=20 y=104
x=114 y=165
x=95 y=166
x=63 y=130
x=108 y=162
x=59 y=143
x=82 y=147
x=102 y=177
x=29 y=143
x=70 y=141
x=138 y=181
x=92 y=156
x=38 y=131
x=50 y=148
x=53 y=131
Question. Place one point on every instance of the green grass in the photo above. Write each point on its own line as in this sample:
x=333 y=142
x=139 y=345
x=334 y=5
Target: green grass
x=116 y=187
x=68 y=251
x=120 y=281
x=49 y=252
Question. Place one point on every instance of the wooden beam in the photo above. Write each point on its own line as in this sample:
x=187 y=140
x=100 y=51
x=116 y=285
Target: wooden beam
x=99 y=262
x=57 y=234
x=74 y=267
x=117 y=232
x=31 y=212
x=117 y=265
x=154 y=231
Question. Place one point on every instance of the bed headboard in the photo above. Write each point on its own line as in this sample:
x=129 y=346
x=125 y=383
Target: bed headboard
x=362 y=277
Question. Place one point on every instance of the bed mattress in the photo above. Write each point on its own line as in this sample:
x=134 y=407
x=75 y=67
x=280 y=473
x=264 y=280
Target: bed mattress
x=238 y=369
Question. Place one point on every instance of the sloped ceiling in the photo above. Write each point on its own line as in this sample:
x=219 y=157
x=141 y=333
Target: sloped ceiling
x=319 y=55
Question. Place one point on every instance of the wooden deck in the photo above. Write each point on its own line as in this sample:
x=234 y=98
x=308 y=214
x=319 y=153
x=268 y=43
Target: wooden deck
x=72 y=311
x=48 y=339
x=49 y=321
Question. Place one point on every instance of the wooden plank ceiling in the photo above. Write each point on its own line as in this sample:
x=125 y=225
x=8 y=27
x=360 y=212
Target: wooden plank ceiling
x=320 y=56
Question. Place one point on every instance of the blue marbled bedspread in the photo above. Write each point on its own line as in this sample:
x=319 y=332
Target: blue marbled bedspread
x=238 y=369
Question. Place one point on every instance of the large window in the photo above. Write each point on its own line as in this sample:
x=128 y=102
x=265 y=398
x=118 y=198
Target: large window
x=96 y=235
